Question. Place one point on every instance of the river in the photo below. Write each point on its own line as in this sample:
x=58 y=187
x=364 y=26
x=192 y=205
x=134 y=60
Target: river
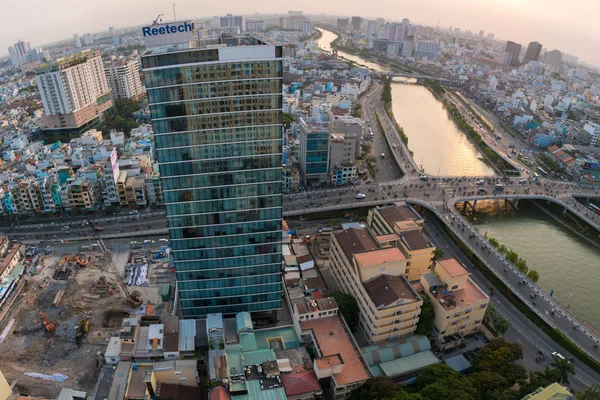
x=426 y=122
x=566 y=263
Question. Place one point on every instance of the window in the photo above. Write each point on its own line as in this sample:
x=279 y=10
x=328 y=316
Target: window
x=177 y=372
x=182 y=379
x=454 y=287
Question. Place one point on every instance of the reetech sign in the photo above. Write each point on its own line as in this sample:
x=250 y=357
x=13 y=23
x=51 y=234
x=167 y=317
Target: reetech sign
x=167 y=29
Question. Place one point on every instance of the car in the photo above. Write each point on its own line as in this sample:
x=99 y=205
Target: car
x=522 y=181
x=480 y=182
x=65 y=228
x=424 y=177
x=163 y=240
x=556 y=354
x=359 y=196
x=133 y=212
x=481 y=190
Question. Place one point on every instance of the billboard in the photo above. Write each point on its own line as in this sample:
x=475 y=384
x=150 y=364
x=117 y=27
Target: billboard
x=114 y=163
x=172 y=33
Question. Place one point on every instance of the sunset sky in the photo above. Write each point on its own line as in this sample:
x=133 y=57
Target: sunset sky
x=570 y=26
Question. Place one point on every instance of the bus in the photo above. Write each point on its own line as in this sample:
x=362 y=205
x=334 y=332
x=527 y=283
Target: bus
x=594 y=208
x=541 y=171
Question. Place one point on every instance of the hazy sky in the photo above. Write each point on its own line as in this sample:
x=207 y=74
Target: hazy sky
x=568 y=25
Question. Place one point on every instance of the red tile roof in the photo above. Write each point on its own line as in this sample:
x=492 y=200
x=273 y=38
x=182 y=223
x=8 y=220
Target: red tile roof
x=301 y=382
x=219 y=393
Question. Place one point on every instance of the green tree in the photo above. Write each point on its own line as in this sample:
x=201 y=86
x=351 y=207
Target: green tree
x=502 y=249
x=591 y=393
x=378 y=387
x=288 y=120
x=533 y=275
x=493 y=242
x=437 y=254
x=449 y=388
x=512 y=256
x=500 y=356
x=564 y=367
x=348 y=307
x=404 y=395
x=426 y=318
x=522 y=265
x=487 y=381
x=434 y=373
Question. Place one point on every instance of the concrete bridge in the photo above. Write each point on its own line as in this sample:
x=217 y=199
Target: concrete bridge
x=415 y=76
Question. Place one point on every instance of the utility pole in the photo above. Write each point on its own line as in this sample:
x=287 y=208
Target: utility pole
x=174 y=15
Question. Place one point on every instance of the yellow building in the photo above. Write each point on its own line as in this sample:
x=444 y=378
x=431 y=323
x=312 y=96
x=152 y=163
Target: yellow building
x=5 y=390
x=81 y=195
x=459 y=303
x=404 y=221
x=551 y=392
x=372 y=270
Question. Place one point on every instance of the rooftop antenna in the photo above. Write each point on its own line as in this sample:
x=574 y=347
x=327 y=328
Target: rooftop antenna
x=158 y=19
x=174 y=15
x=437 y=28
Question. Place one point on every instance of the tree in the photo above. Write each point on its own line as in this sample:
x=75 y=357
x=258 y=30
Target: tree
x=449 y=388
x=522 y=265
x=495 y=321
x=502 y=249
x=426 y=318
x=404 y=395
x=288 y=120
x=437 y=254
x=434 y=373
x=487 y=381
x=512 y=256
x=500 y=356
x=533 y=275
x=493 y=242
x=348 y=307
x=591 y=393
x=564 y=367
x=378 y=387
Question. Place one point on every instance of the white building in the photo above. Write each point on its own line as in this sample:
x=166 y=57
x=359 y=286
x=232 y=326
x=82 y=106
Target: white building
x=307 y=26
x=371 y=29
x=255 y=25
x=77 y=41
x=594 y=131
x=425 y=48
x=493 y=83
x=548 y=100
x=74 y=90
x=88 y=39
x=229 y=21
x=123 y=77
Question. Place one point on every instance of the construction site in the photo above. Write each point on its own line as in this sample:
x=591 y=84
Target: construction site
x=54 y=330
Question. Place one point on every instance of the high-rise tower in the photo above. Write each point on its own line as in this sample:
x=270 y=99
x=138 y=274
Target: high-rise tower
x=216 y=109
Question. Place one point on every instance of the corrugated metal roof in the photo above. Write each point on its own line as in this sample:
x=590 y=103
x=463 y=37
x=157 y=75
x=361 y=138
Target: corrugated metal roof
x=187 y=335
x=408 y=364
x=389 y=351
x=244 y=322
x=119 y=383
x=458 y=363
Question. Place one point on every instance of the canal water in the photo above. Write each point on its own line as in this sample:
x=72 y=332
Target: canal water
x=439 y=147
x=567 y=264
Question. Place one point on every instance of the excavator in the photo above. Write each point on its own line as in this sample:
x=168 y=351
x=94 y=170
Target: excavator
x=133 y=298
x=81 y=261
x=83 y=327
x=49 y=326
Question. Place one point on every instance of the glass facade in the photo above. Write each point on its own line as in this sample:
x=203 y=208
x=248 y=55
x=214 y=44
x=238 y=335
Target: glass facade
x=218 y=128
x=314 y=147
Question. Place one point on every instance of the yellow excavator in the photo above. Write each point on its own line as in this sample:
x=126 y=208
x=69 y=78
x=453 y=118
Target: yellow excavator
x=83 y=327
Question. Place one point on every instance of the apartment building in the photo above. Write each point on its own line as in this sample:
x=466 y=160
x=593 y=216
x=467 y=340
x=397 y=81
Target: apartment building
x=403 y=220
x=372 y=270
x=82 y=195
x=337 y=363
x=459 y=303
x=314 y=148
x=74 y=92
x=123 y=77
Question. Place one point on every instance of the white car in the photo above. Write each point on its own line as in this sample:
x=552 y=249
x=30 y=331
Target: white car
x=481 y=182
x=359 y=196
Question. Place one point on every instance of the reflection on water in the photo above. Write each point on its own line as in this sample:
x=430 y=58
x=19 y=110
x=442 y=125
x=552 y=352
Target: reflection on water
x=438 y=146
x=567 y=264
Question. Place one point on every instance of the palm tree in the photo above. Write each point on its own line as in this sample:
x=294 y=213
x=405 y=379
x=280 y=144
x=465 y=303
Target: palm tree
x=591 y=393
x=547 y=376
x=564 y=368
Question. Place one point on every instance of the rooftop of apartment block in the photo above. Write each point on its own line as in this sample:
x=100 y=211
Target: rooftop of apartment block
x=470 y=293
x=415 y=240
x=354 y=241
x=333 y=340
x=388 y=289
x=379 y=256
x=452 y=267
x=397 y=213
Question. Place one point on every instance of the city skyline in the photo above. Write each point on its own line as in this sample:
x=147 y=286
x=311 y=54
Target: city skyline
x=498 y=16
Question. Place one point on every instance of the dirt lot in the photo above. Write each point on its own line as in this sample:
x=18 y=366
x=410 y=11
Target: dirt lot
x=57 y=352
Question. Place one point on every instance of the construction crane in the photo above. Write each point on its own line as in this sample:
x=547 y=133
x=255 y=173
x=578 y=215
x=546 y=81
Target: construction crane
x=157 y=20
x=49 y=326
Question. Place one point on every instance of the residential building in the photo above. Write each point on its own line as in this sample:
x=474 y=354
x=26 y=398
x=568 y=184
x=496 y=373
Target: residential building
x=533 y=52
x=372 y=29
x=554 y=391
x=356 y=23
x=553 y=57
x=230 y=20
x=425 y=48
x=74 y=92
x=511 y=54
x=18 y=52
x=15 y=59
x=342 y=23
x=123 y=77
x=88 y=39
x=372 y=270
x=337 y=363
x=220 y=164
x=314 y=148
x=81 y=195
x=459 y=303
x=419 y=250
x=77 y=41
x=154 y=190
x=255 y=25
x=291 y=179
